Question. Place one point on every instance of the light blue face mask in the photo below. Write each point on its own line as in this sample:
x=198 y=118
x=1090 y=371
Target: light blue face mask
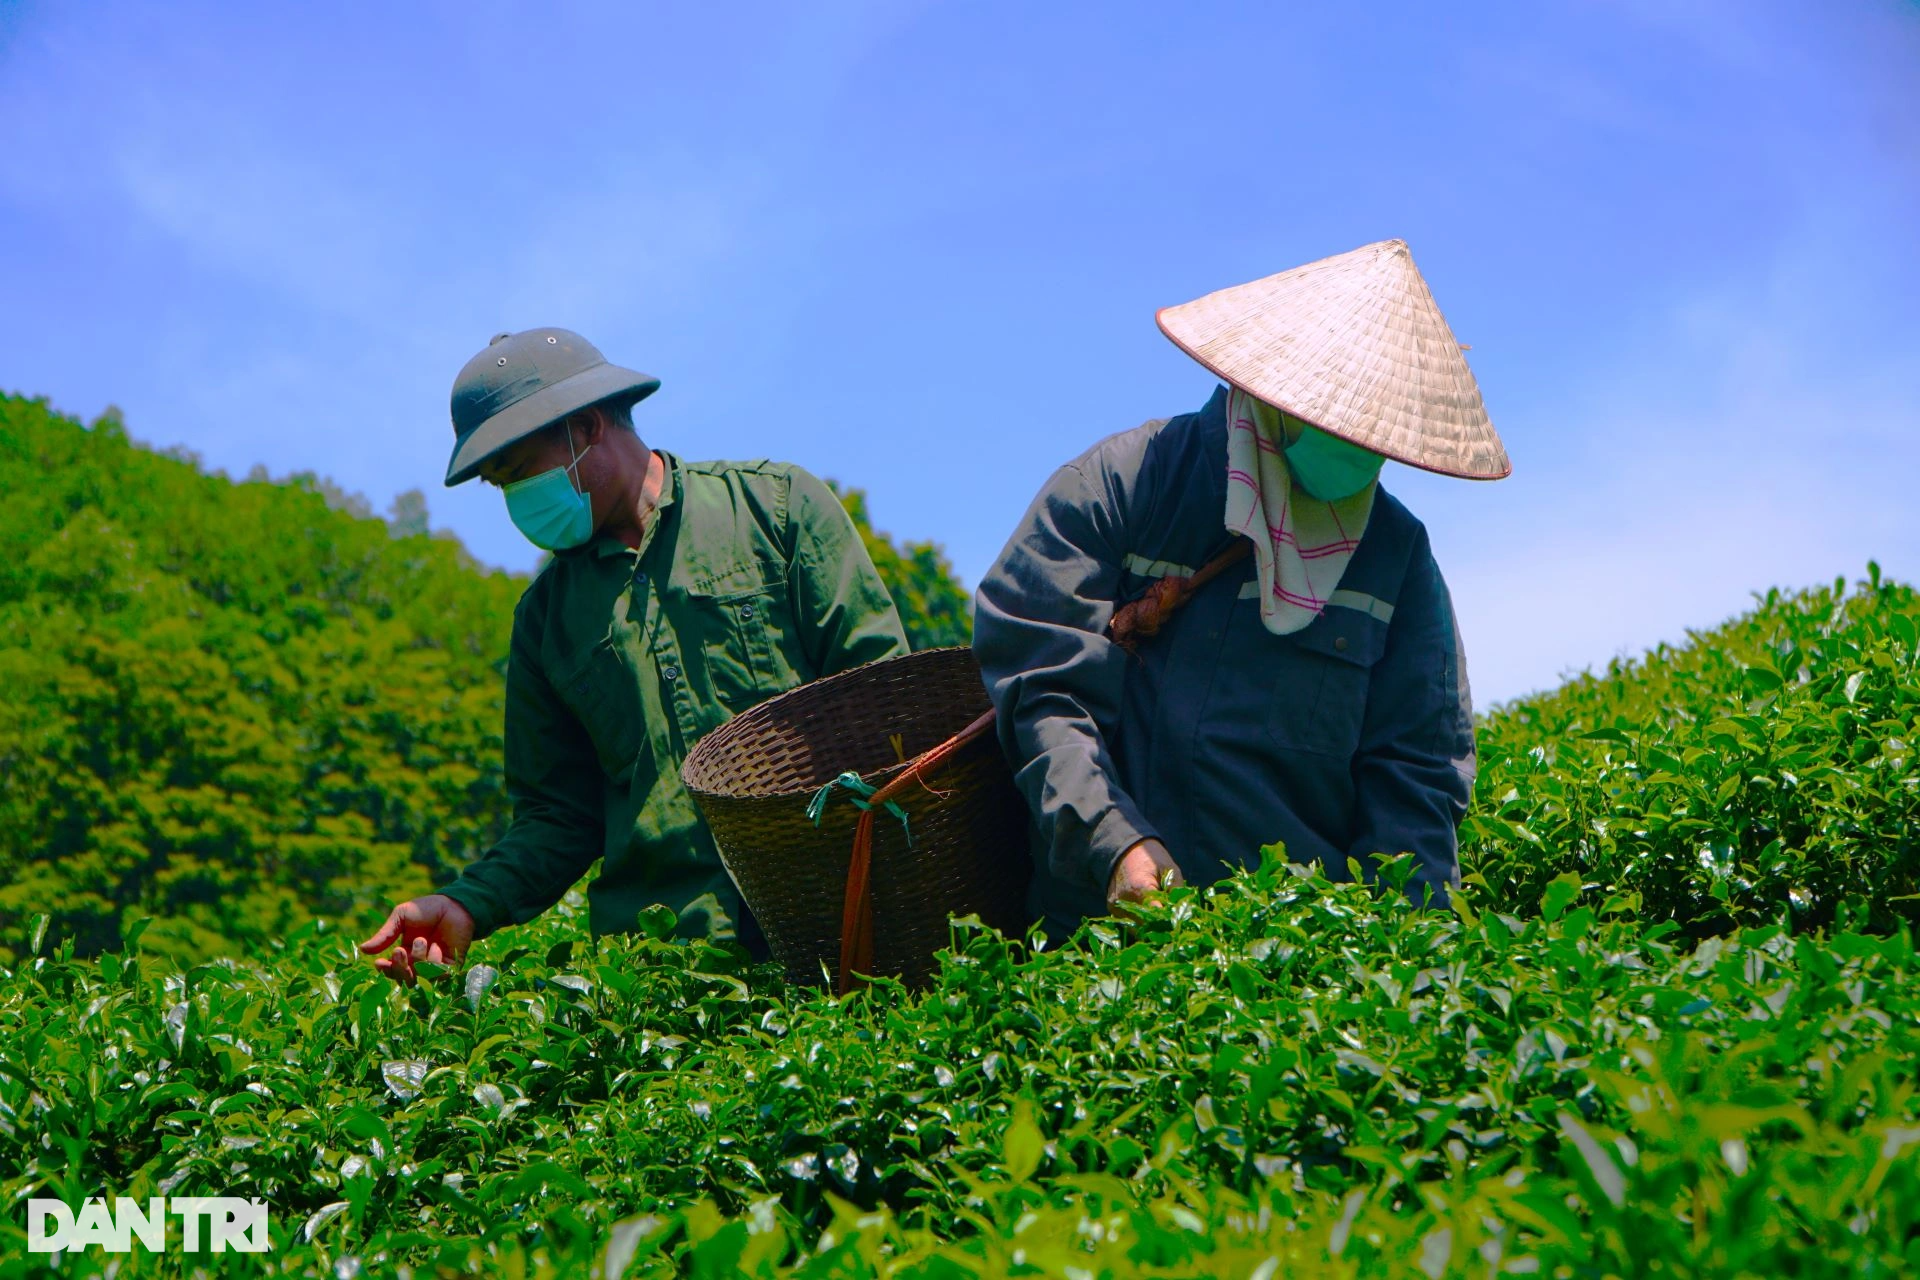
x=1328 y=467
x=549 y=508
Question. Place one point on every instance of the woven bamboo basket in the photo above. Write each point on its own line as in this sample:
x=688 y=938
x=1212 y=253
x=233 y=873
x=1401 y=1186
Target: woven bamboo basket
x=963 y=847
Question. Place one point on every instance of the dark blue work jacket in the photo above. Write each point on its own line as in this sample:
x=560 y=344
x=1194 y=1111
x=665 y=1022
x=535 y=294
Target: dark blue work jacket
x=1349 y=738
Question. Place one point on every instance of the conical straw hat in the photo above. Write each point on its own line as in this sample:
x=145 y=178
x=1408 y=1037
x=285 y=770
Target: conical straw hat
x=1354 y=345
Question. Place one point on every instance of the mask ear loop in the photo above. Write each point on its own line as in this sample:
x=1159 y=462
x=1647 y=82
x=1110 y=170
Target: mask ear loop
x=574 y=469
x=575 y=465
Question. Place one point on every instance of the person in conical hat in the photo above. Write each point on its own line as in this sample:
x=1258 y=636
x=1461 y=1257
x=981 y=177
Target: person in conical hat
x=1218 y=631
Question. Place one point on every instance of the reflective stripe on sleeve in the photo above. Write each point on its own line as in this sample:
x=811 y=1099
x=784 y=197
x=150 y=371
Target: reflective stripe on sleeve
x=1142 y=567
x=1367 y=604
x=1341 y=599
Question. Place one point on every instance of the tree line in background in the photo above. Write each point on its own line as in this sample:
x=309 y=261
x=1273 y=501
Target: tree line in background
x=236 y=706
x=1669 y=1028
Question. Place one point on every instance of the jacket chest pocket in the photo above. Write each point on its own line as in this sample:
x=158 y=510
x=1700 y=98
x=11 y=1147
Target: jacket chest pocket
x=603 y=693
x=739 y=617
x=1319 y=699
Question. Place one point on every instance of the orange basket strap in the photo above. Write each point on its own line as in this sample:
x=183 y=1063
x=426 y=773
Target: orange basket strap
x=1144 y=617
x=856 y=915
x=930 y=761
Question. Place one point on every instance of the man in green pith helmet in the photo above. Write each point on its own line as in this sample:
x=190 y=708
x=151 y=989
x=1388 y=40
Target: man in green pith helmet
x=1219 y=631
x=678 y=595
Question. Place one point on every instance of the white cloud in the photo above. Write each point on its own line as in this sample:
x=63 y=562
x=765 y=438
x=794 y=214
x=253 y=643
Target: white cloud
x=1746 y=444
x=1674 y=550
x=1742 y=438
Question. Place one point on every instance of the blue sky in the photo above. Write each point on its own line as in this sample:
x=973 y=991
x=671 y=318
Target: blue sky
x=918 y=247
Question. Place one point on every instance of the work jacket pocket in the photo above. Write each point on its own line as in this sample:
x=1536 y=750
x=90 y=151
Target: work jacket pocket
x=740 y=616
x=1319 y=701
x=603 y=693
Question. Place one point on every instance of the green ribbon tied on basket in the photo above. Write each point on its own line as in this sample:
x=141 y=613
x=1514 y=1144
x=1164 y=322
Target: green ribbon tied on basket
x=860 y=790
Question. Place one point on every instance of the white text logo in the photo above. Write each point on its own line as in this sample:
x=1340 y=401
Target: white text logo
x=229 y=1223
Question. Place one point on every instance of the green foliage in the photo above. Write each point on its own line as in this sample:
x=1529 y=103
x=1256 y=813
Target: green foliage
x=935 y=609
x=1281 y=1068
x=230 y=707
x=235 y=707
x=1671 y=1026
x=1767 y=765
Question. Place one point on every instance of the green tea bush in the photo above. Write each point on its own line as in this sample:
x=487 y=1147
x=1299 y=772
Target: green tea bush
x=1766 y=766
x=1669 y=1029
x=1280 y=1068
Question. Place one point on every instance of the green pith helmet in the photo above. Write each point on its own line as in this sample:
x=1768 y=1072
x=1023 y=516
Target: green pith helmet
x=525 y=381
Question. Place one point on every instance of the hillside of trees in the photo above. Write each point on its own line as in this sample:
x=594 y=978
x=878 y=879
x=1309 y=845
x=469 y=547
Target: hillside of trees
x=234 y=706
x=1668 y=1028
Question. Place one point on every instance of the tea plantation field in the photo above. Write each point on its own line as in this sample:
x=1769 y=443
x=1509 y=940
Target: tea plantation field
x=1670 y=1029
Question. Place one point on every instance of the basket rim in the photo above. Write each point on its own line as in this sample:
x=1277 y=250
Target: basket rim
x=813 y=687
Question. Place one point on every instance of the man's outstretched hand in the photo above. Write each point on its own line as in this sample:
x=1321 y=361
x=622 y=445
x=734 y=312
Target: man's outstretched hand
x=434 y=928
x=1141 y=871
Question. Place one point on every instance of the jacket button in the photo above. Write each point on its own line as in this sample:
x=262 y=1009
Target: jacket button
x=671 y=673
x=1340 y=643
x=746 y=611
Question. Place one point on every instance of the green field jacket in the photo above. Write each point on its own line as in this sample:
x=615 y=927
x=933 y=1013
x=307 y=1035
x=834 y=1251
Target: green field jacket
x=750 y=580
x=1348 y=738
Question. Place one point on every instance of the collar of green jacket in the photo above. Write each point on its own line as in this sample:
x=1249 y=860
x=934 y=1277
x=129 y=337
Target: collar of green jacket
x=605 y=544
